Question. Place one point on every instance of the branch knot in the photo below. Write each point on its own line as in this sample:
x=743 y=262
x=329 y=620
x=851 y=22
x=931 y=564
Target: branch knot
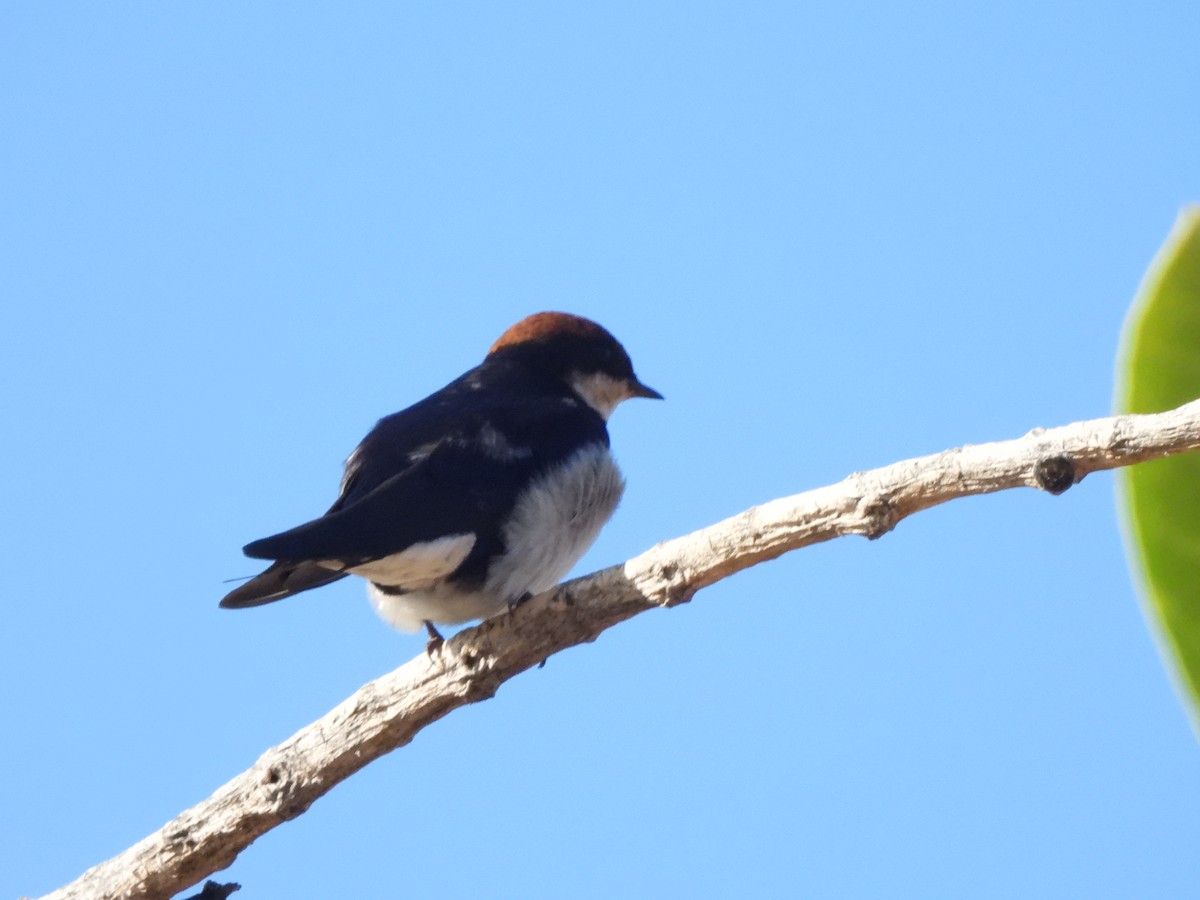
x=676 y=587
x=877 y=515
x=1054 y=474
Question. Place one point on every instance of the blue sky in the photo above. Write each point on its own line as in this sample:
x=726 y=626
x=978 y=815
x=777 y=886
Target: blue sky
x=833 y=235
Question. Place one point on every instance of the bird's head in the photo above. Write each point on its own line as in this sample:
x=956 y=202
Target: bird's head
x=578 y=351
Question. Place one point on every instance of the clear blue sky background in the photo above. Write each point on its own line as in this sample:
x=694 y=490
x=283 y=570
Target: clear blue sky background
x=232 y=235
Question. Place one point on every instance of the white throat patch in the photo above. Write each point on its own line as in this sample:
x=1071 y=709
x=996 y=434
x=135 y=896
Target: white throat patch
x=599 y=391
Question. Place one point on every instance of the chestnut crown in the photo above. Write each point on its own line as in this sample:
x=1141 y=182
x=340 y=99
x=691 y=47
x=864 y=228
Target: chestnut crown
x=578 y=351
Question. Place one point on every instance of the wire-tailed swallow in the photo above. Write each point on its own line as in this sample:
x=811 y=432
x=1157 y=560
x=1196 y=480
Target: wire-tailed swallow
x=481 y=494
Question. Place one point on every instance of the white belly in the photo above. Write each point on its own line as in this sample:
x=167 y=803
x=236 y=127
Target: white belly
x=553 y=524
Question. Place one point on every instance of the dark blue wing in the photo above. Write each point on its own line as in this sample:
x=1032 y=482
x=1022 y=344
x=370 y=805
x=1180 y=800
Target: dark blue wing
x=454 y=490
x=453 y=463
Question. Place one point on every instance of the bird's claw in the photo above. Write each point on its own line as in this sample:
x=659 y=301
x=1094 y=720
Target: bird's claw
x=513 y=604
x=435 y=641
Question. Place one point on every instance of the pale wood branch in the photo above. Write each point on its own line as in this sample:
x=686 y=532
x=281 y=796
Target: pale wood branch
x=388 y=712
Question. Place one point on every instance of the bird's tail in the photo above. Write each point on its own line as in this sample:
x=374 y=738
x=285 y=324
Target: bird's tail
x=281 y=579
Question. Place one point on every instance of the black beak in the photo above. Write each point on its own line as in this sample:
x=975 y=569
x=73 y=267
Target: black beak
x=637 y=389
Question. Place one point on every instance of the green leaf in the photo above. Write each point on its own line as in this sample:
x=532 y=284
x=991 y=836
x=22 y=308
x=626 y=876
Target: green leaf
x=1158 y=369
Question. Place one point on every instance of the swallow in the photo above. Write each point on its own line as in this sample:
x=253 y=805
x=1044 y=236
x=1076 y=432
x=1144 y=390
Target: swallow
x=482 y=494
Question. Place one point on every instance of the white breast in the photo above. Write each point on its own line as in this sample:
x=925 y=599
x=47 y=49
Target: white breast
x=555 y=521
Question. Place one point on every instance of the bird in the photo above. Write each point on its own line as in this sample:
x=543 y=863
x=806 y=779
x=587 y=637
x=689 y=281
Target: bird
x=482 y=494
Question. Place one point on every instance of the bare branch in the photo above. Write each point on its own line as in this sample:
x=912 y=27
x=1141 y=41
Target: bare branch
x=388 y=712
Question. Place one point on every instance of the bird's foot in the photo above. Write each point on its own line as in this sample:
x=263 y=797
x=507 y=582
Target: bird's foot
x=513 y=604
x=435 y=641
